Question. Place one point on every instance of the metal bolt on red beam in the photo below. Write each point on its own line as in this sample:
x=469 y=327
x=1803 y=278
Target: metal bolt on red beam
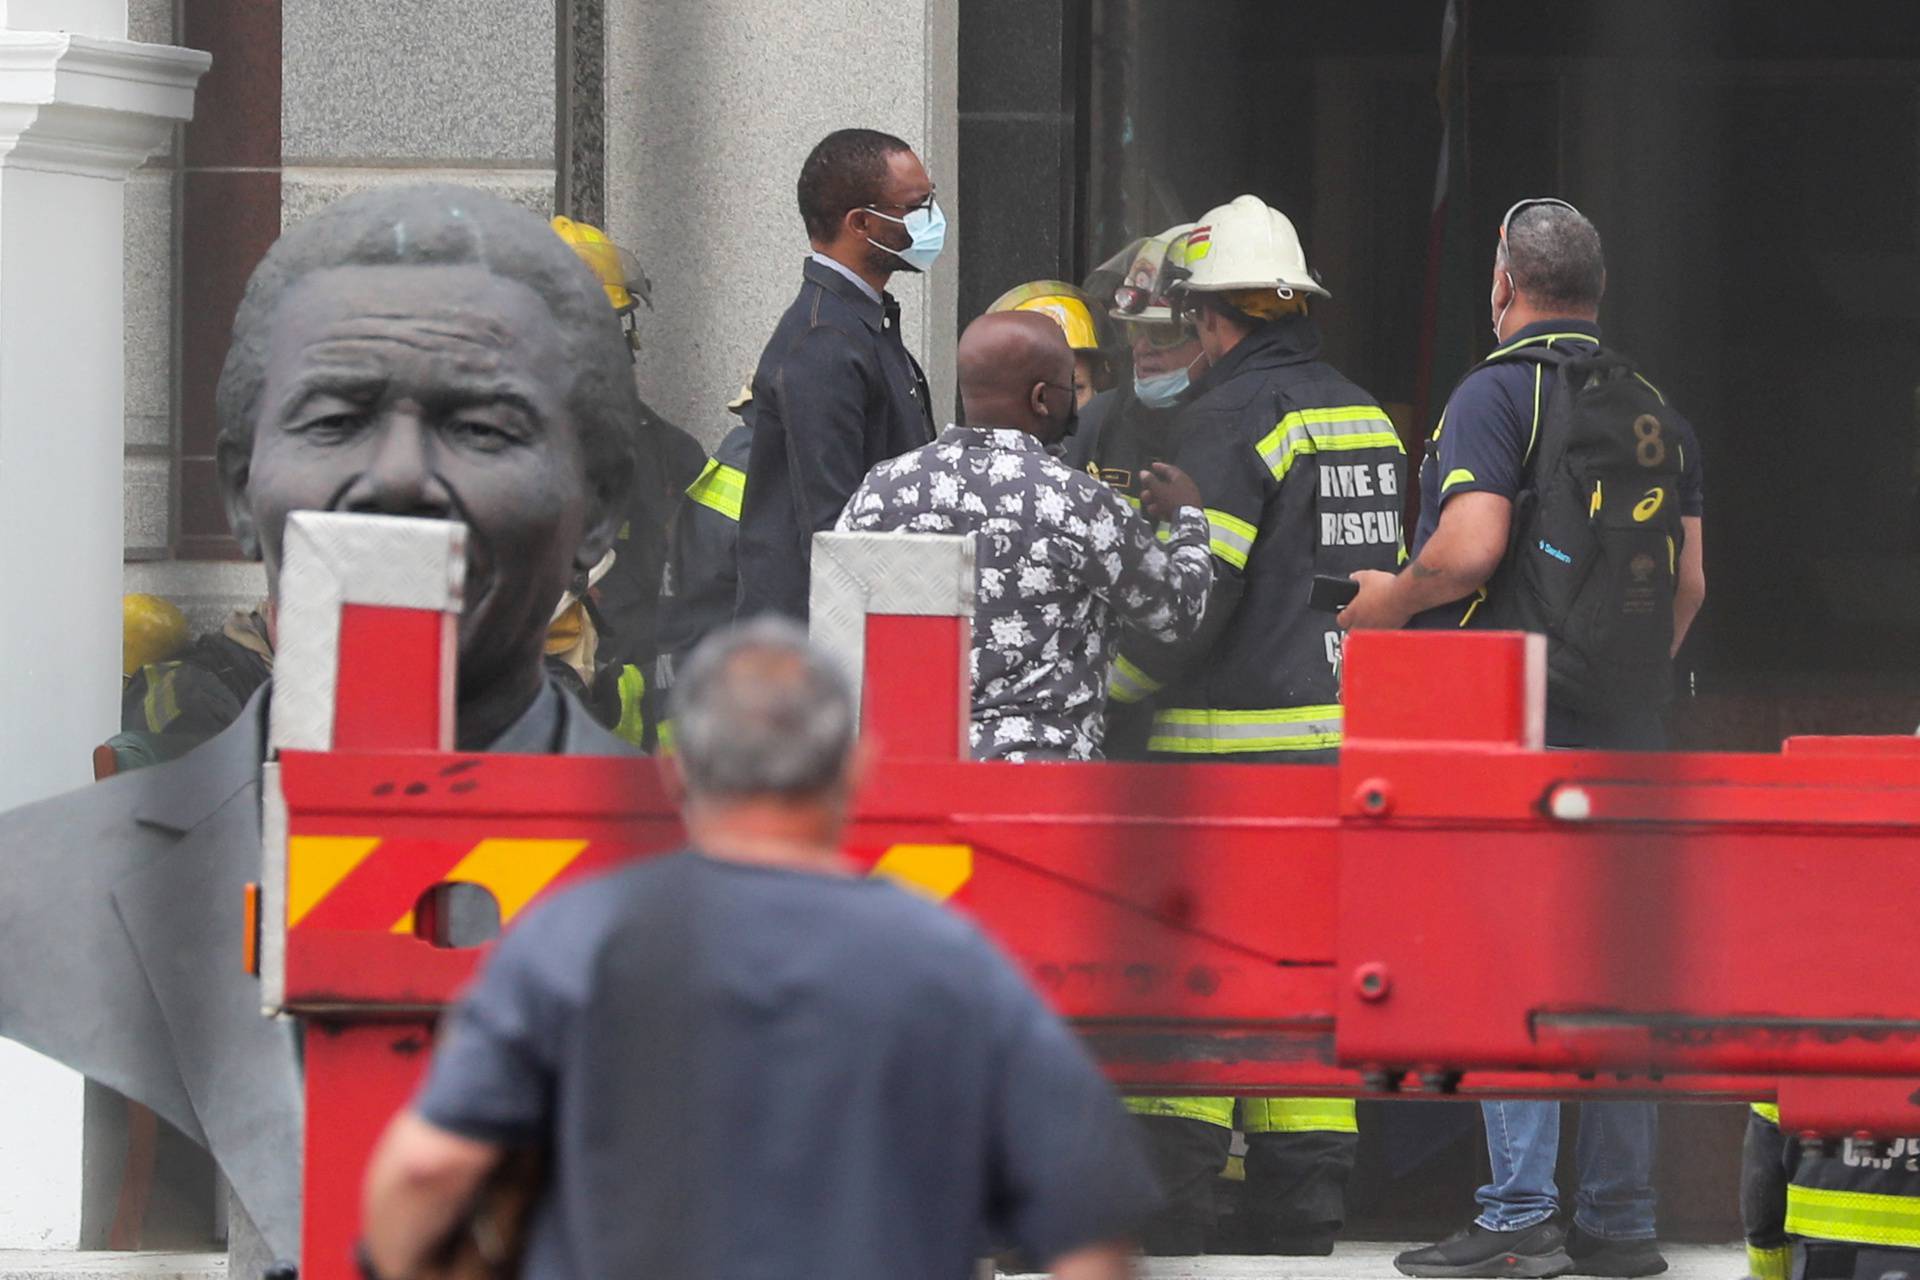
x=1375 y=797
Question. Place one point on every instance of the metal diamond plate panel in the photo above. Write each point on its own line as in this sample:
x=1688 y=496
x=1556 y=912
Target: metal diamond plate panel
x=330 y=559
x=854 y=574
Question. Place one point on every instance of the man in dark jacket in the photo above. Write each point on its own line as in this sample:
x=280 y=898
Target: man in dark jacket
x=469 y=370
x=836 y=391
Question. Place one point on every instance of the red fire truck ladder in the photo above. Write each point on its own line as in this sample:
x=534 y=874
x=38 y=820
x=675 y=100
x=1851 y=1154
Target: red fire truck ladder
x=1449 y=911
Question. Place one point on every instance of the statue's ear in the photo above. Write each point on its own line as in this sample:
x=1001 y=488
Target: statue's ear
x=235 y=461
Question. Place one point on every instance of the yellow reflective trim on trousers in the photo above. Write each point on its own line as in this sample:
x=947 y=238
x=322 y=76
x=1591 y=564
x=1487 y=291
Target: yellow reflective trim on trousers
x=1232 y=537
x=1358 y=426
x=720 y=488
x=633 y=718
x=1768 y=1111
x=1128 y=683
x=1853 y=1217
x=1210 y=1110
x=1209 y=731
x=1298 y=1115
x=1769 y=1264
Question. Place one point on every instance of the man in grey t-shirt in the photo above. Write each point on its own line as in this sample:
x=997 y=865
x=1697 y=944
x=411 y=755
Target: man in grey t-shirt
x=748 y=1061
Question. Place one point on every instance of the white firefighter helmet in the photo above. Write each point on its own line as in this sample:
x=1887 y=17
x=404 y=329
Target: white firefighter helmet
x=1244 y=244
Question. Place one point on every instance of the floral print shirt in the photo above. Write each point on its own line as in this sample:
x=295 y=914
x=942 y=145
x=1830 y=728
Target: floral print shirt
x=1060 y=558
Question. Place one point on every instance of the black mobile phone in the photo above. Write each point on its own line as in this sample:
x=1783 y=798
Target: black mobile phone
x=1330 y=594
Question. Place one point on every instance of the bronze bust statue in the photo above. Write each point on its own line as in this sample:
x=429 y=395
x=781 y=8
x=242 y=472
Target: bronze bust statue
x=419 y=351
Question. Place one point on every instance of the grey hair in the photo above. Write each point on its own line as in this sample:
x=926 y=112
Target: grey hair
x=758 y=711
x=430 y=224
x=1555 y=257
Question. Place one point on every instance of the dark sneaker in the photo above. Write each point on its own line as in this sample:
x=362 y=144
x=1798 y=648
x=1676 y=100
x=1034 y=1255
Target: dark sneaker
x=1598 y=1256
x=1531 y=1253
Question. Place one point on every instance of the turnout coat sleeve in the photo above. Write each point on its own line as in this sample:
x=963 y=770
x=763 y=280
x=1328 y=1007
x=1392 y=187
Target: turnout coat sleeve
x=1233 y=485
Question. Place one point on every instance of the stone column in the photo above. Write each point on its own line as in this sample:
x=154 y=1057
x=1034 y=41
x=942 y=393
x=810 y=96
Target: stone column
x=710 y=110
x=80 y=107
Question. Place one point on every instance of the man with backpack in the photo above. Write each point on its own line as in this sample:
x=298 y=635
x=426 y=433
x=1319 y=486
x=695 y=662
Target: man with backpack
x=1560 y=494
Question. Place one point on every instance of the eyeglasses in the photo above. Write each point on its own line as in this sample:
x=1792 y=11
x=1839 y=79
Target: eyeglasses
x=1161 y=336
x=1529 y=203
x=878 y=205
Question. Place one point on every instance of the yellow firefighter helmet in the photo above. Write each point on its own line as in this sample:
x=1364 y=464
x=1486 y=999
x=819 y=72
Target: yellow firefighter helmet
x=152 y=629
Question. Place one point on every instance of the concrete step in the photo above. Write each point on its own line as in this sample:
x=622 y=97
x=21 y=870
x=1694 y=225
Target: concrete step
x=69 y=1264
x=1349 y=1262
x=1375 y=1262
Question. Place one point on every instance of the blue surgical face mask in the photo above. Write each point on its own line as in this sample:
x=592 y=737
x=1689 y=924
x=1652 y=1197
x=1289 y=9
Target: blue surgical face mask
x=1161 y=390
x=927 y=226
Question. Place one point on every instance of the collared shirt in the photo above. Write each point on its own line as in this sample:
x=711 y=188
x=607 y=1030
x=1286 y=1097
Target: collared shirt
x=1485 y=435
x=836 y=265
x=1484 y=440
x=1058 y=555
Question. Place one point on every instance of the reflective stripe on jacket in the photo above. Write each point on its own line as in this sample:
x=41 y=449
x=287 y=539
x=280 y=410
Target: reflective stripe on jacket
x=701 y=582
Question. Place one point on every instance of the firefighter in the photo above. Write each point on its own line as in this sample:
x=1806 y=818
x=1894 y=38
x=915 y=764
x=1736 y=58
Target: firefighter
x=701 y=580
x=1126 y=429
x=1852 y=1208
x=1303 y=474
x=193 y=690
x=615 y=622
x=1069 y=308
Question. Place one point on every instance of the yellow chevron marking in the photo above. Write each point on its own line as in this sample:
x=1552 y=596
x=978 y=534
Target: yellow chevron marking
x=512 y=870
x=935 y=871
x=316 y=865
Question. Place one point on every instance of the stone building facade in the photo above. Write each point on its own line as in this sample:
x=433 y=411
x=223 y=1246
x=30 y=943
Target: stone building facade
x=678 y=127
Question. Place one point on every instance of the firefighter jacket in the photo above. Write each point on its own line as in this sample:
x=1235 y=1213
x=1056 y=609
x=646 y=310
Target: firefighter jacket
x=626 y=601
x=1858 y=1193
x=702 y=576
x=1118 y=437
x=200 y=692
x=1302 y=473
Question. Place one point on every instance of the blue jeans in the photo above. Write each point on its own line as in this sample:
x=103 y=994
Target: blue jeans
x=1614 y=1157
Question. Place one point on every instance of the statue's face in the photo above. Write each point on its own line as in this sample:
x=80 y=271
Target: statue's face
x=434 y=391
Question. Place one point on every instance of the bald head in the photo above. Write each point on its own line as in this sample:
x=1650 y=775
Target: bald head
x=1016 y=371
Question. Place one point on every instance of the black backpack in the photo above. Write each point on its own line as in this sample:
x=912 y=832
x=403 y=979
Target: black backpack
x=1593 y=555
